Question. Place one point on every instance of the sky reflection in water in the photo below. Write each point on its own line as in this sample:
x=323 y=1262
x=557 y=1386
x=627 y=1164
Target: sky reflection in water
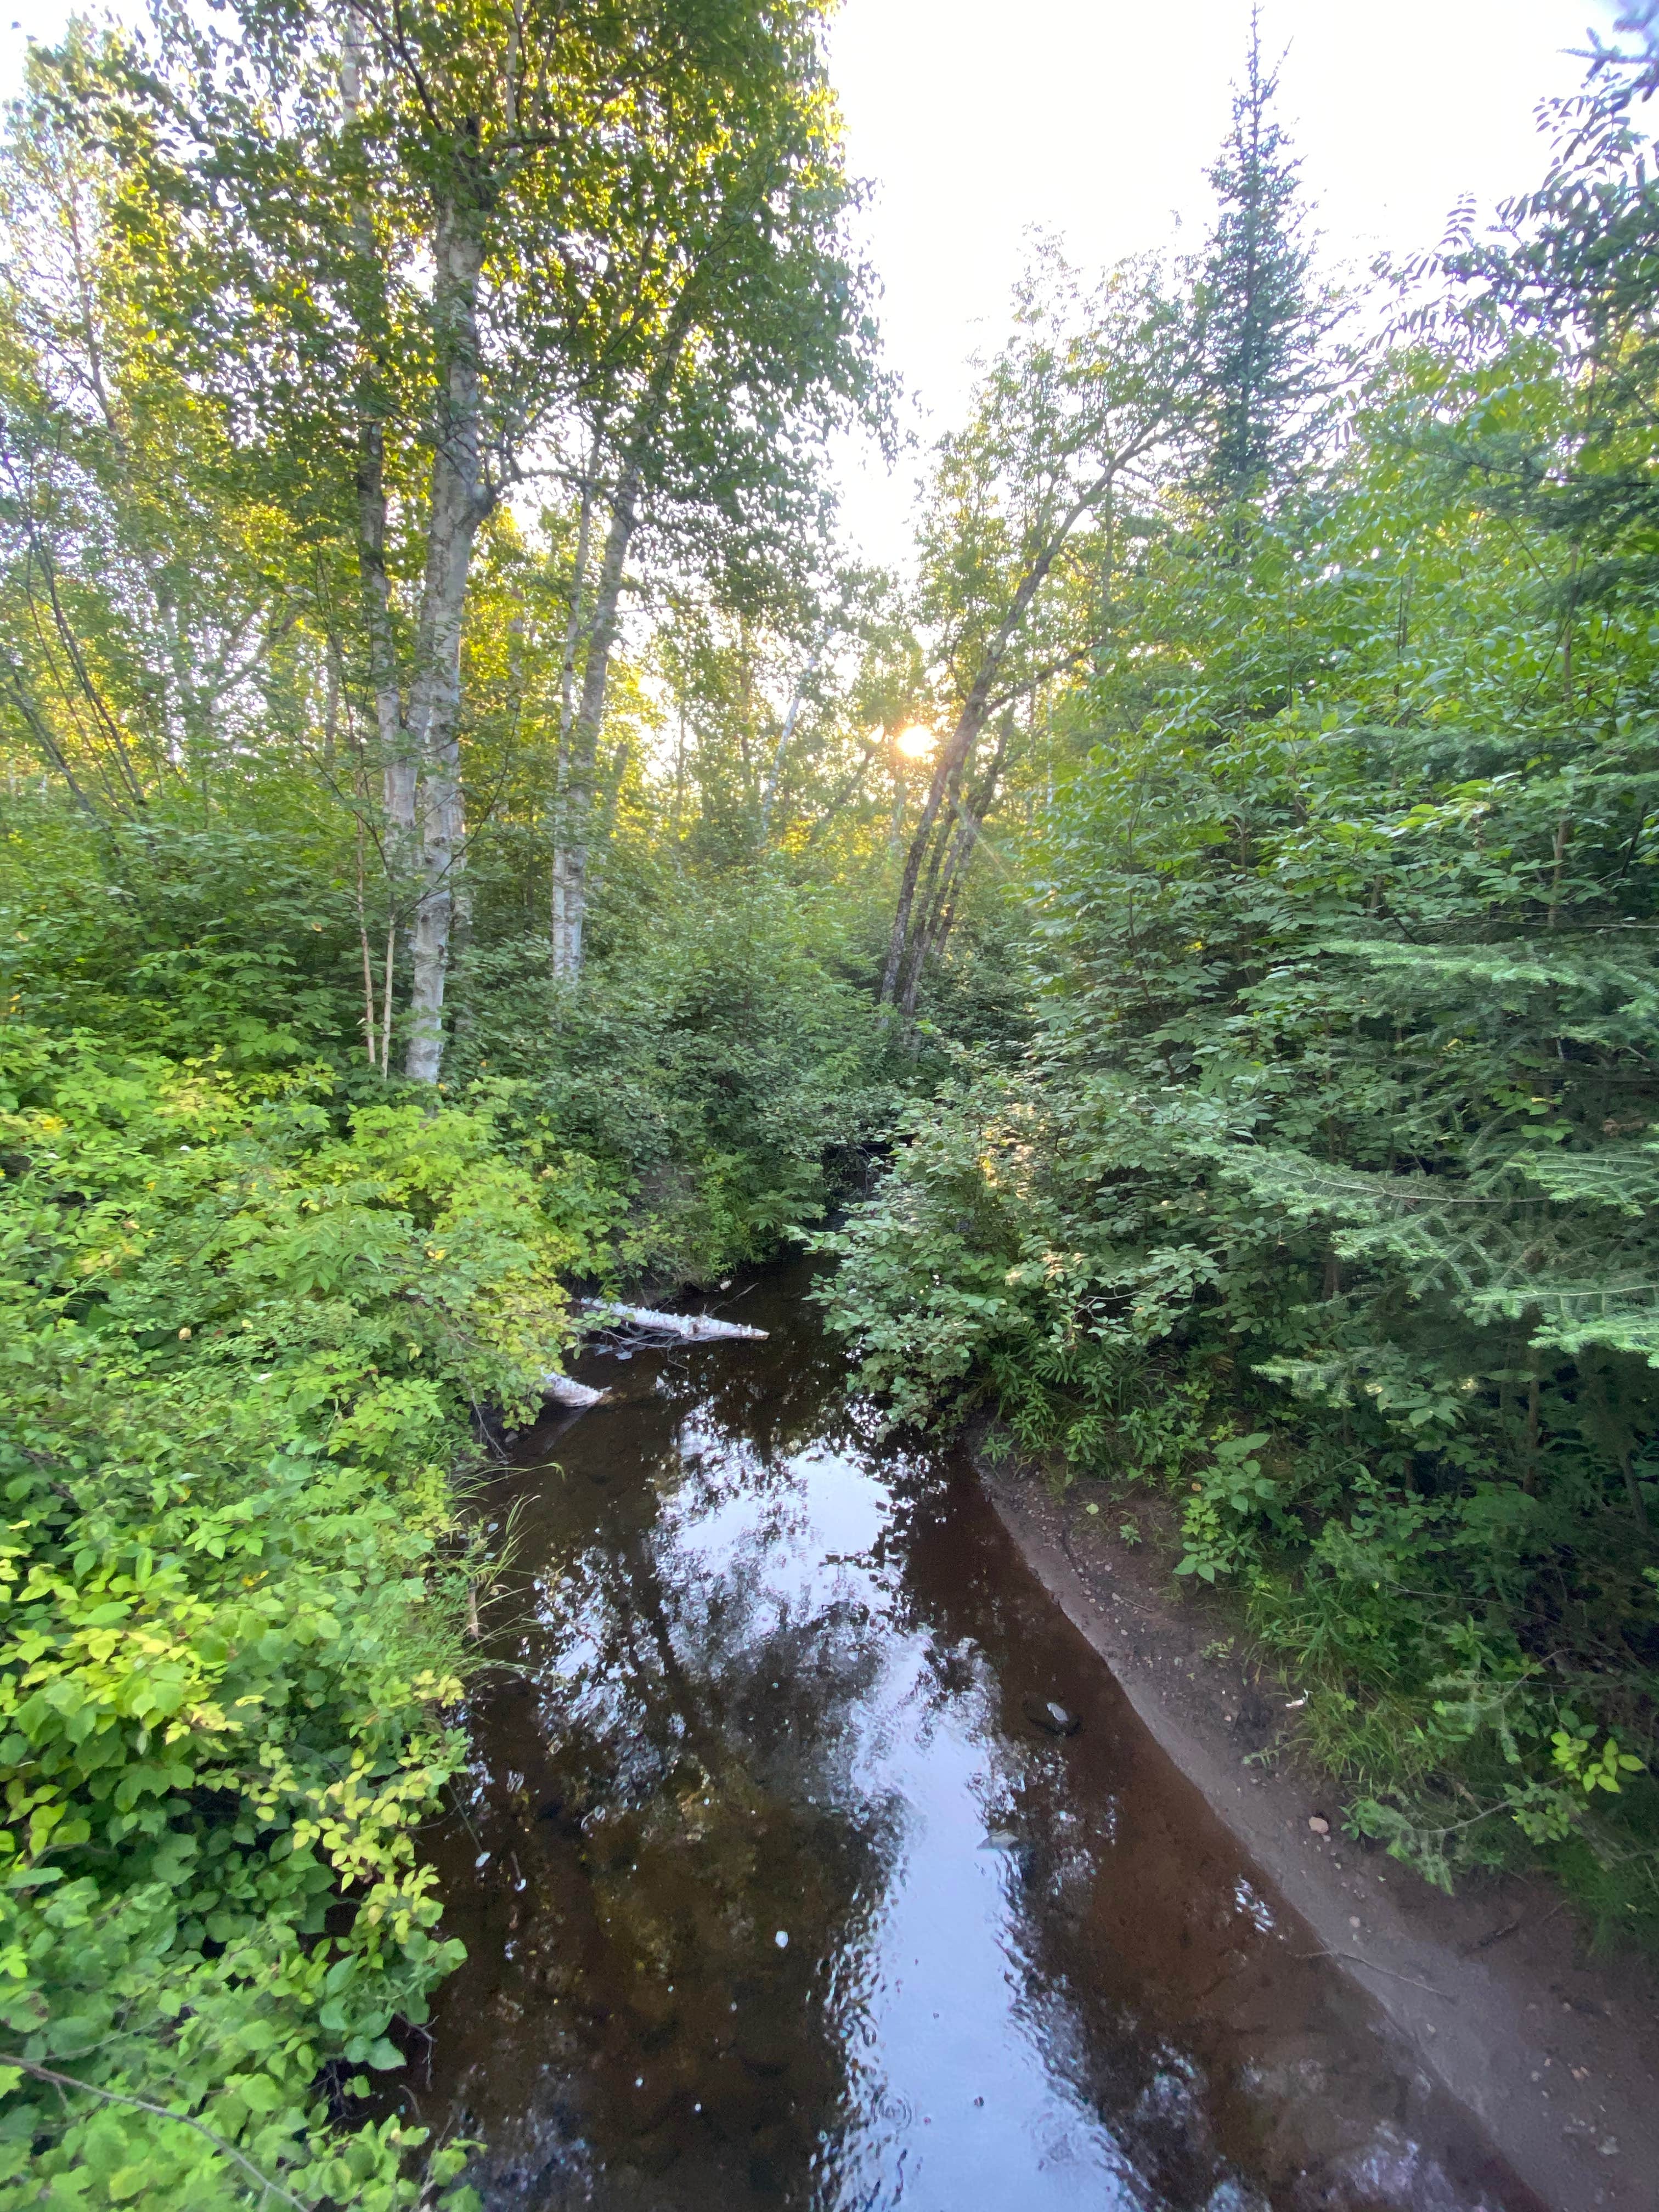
x=774 y=1896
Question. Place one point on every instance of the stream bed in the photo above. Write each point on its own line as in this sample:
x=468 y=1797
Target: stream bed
x=779 y=1888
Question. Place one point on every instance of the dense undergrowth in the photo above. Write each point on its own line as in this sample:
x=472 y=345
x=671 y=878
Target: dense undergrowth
x=1228 y=866
x=256 y=1299
x=240 y=1339
x=721 y=1069
x=1324 y=1198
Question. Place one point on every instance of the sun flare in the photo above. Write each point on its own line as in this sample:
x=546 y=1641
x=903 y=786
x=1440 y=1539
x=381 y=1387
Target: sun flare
x=915 y=743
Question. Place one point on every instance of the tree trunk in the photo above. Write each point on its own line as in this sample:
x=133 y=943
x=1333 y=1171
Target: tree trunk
x=397 y=762
x=649 y=1320
x=569 y=915
x=940 y=914
x=396 y=755
x=570 y=853
x=573 y=626
x=614 y=776
x=785 y=734
x=975 y=714
x=558 y=898
x=368 y=957
x=909 y=978
x=564 y=1390
x=947 y=772
x=459 y=501
x=972 y=719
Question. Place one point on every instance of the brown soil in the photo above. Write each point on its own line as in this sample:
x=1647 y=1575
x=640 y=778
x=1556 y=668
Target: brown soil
x=1555 y=2051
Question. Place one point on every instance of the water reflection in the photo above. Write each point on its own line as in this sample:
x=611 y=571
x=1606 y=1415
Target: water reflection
x=774 y=1896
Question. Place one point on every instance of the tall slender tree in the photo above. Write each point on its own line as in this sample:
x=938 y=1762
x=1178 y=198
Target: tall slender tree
x=716 y=352
x=531 y=232
x=1084 y=406
x=1260 y=317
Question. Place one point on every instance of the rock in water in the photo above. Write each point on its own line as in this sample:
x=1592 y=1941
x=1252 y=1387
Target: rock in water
x=1044 y=1713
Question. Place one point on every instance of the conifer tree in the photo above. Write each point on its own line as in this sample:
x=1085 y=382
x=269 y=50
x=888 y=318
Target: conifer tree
x=1261 y=323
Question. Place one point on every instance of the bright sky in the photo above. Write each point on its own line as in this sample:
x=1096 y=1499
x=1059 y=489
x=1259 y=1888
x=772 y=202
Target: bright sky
x=974 y=119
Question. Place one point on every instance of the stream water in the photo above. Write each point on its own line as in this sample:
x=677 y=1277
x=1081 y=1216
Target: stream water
x=775 y=1895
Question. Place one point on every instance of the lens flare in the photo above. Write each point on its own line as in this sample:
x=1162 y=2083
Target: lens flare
x=915 y=743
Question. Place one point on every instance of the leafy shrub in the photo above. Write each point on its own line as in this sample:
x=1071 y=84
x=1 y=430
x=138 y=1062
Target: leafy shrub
x=237 y=943
x=239 y=1346
x=1334 y=1149
x=723 y=1074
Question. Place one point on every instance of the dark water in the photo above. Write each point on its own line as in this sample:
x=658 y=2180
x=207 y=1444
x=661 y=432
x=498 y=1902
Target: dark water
x=774 y=1896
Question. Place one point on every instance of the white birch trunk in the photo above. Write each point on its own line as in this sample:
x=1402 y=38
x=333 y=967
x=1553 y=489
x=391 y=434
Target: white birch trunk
x=564 y=1390
x=697 y=1328
x=459 y=501
x=558 y=891
x=396 y=758
x=570 y=853
x=569 y=902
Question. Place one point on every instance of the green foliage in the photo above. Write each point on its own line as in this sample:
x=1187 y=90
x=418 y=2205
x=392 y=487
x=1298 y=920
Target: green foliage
x=717 y=1067
x=235 y=942
x=1233 y=1505
x=1325 y=1194
x=1260 y=320
x=241 y=1341
x=1277 y=1130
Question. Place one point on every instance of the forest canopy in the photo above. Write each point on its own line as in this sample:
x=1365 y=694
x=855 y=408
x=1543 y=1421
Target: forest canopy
x=474 y=835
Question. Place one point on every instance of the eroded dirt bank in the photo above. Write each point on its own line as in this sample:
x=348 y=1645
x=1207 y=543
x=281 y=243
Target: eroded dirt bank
x=1555 y=2051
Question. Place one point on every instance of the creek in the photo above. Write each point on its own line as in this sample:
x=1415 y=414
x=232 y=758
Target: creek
x=779 y=1890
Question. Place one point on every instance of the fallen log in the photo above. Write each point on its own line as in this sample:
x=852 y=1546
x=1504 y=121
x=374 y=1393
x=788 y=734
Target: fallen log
x=645 y=1321
x=565 y=1390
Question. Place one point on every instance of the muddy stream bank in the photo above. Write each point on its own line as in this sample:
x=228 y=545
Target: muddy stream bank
x=780 y=1889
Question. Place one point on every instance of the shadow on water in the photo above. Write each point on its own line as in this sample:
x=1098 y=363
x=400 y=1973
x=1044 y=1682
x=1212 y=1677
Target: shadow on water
x=773 y=1895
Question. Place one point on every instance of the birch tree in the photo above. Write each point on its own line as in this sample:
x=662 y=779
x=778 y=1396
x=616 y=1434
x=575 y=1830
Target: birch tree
x=145 y=590
x=406 y=249
x=729 y=341
x=1070 y=420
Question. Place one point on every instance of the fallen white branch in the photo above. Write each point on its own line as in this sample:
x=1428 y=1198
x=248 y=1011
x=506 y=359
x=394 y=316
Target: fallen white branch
x=647 y=1321
x=564 y=1390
